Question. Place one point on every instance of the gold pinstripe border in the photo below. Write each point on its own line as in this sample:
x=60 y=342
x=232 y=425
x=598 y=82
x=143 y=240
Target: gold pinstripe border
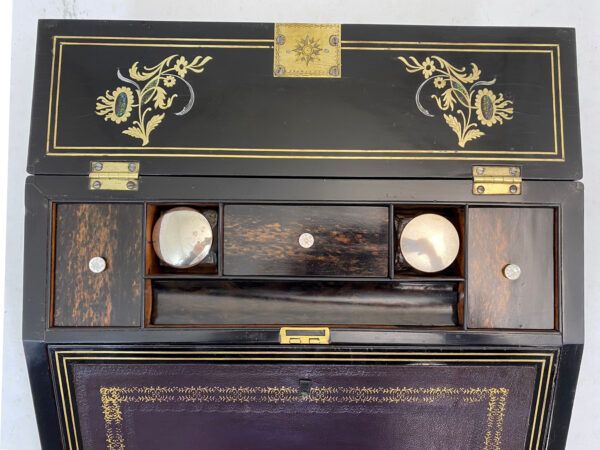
x=365 y=153
x=540 y=403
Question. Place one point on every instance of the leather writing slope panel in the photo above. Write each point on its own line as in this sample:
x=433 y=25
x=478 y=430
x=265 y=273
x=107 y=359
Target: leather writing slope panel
x=364 y=400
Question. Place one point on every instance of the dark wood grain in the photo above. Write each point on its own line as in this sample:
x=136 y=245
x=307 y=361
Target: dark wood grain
x=303 y=303
x=263 y=240
x=522 y=236
x=113 y=297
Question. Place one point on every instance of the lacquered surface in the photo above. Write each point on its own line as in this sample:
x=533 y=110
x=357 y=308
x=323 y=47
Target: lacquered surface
x=364 y=124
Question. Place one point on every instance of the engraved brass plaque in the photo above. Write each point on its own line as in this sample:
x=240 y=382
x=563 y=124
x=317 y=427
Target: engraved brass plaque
x=307 y=50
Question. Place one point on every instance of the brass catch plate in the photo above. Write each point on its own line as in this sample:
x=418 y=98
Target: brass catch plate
x=497 y=180
x=307 y=50
x=296 y=335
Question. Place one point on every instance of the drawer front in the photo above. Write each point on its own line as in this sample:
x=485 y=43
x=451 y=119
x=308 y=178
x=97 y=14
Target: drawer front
x=112 y=297
x=226 y=398
x=346 y=240
x=523 y=237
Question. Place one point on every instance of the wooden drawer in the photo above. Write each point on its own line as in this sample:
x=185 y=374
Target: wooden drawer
x=502 y=236
x=264 y=240
x=110 y=298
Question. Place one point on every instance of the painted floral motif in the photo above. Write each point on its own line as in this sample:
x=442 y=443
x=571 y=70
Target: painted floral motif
x=492 y=109
x=116 y=106
x=119 y=104
x=468 y=104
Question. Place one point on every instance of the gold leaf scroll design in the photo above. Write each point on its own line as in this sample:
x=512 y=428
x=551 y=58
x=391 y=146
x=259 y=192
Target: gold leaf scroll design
x=150 y=98
x=113 y=397
x=462 y=93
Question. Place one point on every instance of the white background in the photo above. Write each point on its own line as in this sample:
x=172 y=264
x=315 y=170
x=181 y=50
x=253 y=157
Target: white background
x=18 y=429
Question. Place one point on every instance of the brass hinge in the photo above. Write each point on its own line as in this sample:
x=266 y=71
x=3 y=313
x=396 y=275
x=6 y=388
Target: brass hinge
x=295 y=335
x=496 y=180
x=307 y=50
x=114 y=175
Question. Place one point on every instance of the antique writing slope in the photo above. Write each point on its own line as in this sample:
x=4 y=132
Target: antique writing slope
x=313 y=320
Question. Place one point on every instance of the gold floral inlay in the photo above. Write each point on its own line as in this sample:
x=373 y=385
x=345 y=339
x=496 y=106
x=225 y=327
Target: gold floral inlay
x=460 y=92
x=121 y=103
x=113 y=397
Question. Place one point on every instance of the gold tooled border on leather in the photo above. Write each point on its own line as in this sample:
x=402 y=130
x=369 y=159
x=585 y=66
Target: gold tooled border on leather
x=113 y=397
x=553 y=50
x=63 y=381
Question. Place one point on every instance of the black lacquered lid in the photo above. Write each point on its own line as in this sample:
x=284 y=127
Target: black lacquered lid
x=305 y=101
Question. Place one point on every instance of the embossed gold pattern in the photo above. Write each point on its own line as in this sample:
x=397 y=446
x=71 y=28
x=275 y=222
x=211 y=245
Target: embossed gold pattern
x=118 y=105
x=307 y=50
x=112 y=397
x=490 y=108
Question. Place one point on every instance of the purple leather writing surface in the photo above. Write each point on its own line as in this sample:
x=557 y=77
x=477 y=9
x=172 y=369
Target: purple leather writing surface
x=247 y=406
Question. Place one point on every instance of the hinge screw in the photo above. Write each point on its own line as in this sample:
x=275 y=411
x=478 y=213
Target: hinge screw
x=334 y=71
x=96 y=185
x=280 y=39
x=480 y=171
x=97 y=167
x=334 y=40
x=279 y=70
x=513 y=171
x=480 y=189
x=132 y=167
x=130 y=185
x=513 y=189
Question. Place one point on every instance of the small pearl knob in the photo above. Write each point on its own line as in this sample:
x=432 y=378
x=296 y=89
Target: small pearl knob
x=512 y=272
x=97 y=264
x=306 y=240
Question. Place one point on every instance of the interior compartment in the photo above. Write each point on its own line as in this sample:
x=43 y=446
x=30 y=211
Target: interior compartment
x=216 y=302
x=208 y=266
x=404 y=214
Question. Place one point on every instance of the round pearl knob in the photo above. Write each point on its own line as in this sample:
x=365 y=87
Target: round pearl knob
x=97 y=264
x=306 y=240
x=512 y=272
